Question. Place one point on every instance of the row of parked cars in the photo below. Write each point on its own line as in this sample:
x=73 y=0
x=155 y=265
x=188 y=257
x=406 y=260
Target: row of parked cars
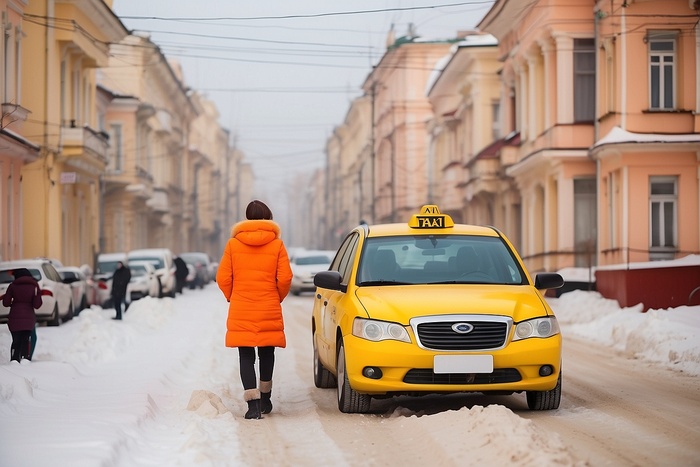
x=153 y=272
x=67 y=290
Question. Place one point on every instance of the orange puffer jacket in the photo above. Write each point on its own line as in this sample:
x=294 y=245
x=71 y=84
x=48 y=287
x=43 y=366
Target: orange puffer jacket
x=255 y=276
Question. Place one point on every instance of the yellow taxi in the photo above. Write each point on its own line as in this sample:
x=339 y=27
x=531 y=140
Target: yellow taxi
x=430 y=306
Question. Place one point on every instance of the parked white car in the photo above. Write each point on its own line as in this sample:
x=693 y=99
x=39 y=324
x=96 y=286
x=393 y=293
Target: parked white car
x=75 y=277
x=305 y=264
x=144 y=281
x=164 y=262
x=57 y=296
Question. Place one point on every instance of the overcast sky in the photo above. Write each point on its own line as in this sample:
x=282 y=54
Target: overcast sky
x=283 y=73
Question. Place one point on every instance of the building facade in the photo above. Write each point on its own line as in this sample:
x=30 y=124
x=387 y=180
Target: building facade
x=576 y=132
x=104 y=148
x=63 y=44
x=15 y=149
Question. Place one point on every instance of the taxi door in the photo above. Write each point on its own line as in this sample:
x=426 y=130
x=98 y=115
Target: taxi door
x=329 y=312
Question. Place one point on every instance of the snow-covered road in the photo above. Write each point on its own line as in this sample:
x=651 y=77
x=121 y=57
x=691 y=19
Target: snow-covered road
x=160 y=388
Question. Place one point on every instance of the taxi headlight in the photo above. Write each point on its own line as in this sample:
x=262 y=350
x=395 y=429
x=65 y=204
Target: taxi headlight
x=374 y=330
x=538 y=327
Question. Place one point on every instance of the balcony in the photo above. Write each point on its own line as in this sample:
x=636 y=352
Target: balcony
x=159 y=201
x=13 y=116
x=85 y=145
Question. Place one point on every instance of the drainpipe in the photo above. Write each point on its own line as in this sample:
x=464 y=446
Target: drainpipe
x=623 y=73
x=47 y=187
x=596 y=129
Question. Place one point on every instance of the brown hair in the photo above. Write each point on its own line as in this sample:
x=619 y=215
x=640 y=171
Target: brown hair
x=257 y=210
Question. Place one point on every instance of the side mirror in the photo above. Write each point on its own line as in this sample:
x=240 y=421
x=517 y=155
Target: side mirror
x=328 y=280
x=548 y=280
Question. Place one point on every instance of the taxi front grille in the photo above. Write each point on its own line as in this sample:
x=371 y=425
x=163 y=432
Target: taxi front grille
x=426 y=376
x=439 y=335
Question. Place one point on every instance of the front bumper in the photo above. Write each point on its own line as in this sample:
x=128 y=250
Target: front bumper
x=515 y=367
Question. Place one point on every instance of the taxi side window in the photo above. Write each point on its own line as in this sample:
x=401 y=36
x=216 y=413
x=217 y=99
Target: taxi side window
x=346 y=260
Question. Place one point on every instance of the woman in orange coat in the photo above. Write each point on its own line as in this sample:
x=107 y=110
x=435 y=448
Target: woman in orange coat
x=254 y=276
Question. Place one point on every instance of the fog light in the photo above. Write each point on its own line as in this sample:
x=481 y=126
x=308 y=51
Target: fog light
x=372 y=372
x=546 y=370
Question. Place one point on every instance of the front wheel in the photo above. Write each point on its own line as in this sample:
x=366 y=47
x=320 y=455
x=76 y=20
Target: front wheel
x=349 y=400
x=545 y=400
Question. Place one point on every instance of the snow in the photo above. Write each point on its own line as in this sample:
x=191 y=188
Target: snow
x=160 y=388
x=619 y=136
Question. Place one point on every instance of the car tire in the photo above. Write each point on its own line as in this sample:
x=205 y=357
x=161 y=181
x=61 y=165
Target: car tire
x=71 y=312
x=322 y=377
x=55 y=319
x=83 y=303
x=160 y=288
x=545 y=400
x=349 y=400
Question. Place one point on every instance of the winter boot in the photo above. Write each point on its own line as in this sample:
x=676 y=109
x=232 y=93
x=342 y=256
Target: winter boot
x=252 y=398
x=265 y=394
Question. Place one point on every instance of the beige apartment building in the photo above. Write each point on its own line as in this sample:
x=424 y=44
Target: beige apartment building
x=604 y=99
x=349 y=162
x=148 y=120
x=463 y=178
x=647 y=149
x=400 y=111
x=547 y=98
x=576 y=133
x=62 y=45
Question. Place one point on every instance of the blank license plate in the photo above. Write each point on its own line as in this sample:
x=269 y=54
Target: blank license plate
x=463 y=364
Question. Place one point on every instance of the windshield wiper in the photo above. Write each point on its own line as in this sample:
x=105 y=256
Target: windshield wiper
x=372 y=283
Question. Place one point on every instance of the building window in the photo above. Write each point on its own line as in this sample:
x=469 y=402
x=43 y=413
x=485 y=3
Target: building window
x=663 y=203
x=584 y=80
x=662 y=70
x=585 y=221
x=117 y=160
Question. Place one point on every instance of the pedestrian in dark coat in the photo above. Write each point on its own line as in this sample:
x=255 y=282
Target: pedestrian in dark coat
x=120 y=281
x=181 y=273
x=23 y=296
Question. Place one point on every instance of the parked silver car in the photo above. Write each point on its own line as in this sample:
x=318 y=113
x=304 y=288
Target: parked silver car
x=75 y=277
x=144 y=281
x=57 y=296
x=201 y=264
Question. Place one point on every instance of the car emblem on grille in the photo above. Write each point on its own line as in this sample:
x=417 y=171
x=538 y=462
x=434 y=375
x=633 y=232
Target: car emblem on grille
x=462 y=328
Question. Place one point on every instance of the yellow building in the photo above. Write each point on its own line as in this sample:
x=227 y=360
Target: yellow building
x=15 y=150
x=63 y=44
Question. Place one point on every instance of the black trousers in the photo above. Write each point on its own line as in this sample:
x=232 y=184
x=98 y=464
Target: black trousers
x=21 y=345
x=246 y=357
x=118 y=305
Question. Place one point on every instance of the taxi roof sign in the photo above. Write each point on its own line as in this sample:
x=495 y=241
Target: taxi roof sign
x=429 y=217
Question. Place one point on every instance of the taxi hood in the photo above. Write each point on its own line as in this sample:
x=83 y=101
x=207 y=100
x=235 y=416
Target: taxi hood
x=401 y=303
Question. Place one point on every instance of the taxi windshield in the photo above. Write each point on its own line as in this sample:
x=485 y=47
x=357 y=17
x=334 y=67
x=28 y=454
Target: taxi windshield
x=438 y=259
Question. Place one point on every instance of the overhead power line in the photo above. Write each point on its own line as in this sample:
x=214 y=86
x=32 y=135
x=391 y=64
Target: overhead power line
x=313 y=15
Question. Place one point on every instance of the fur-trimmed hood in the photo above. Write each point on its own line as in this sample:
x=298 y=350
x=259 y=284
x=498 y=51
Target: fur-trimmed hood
x=256 y=232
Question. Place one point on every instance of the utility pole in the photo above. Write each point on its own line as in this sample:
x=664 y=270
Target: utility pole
x=373 y=155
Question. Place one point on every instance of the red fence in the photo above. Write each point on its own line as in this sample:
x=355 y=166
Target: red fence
x=656 y=288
